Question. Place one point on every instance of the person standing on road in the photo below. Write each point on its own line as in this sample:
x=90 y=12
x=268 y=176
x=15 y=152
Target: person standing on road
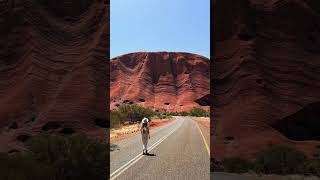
x=145 y=134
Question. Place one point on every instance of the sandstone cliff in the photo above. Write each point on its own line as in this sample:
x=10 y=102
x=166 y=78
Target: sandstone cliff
x=52 y=69
x=266 y=76
x=171 y=81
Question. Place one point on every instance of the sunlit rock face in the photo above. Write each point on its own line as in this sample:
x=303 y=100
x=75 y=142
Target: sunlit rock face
x=169 y=81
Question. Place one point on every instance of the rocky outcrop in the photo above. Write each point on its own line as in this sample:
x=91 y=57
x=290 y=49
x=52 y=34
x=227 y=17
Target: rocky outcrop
x=170 y=81
x=52 y=69
x=266 y=76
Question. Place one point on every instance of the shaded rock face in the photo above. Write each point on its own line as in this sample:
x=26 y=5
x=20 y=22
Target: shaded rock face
x=53 y=59
x=266 y=76
x=169 y=81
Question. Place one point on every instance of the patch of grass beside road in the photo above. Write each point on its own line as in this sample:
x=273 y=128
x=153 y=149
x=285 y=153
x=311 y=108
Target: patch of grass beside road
x=279 y=160
x=55 y=157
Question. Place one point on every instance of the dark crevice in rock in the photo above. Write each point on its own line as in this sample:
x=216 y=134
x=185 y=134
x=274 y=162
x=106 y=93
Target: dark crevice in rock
x=259 y=81
x=51 y=125
x=302 y=125
x=13 y=151
x=23 y=137
x=67 y=131
x=103 y=123
x=14 y=125
x=204 y=101
x=167 y=103
x=141 y=100
x=229 y=138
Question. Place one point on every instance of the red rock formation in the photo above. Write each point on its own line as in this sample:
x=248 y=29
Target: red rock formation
x=266 y=76
x=170 y=81
x=52 y=68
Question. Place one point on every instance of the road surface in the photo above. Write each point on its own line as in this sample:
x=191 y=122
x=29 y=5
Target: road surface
x=178 y=151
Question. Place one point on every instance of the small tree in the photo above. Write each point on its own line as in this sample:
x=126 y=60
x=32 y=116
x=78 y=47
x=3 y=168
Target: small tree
x=198 y=112
x=116 y=118
x=135 y=112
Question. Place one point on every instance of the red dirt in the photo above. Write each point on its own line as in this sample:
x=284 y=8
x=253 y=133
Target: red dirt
x=172 y=81
x=156 y=123
x=203 y=121
x=53 y=67
x=266 y=77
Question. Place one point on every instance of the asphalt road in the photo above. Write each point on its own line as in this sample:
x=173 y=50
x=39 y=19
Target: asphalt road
x=178 y=151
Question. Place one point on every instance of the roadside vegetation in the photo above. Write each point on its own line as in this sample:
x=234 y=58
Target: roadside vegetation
x=132 y=113
x=56 y=157
x=198 y=112
x=279 y=160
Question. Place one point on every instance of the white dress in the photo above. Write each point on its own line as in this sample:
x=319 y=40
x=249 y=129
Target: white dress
x=145 y=135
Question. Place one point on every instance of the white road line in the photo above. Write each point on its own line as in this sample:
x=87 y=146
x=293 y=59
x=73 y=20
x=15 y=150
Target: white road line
x=204 y=139
x=123 y=168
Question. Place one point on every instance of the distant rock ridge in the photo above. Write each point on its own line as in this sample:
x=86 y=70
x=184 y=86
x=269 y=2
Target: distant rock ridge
x=169 y=81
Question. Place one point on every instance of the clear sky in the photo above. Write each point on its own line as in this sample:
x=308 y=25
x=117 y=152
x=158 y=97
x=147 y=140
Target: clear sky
x=160 y=25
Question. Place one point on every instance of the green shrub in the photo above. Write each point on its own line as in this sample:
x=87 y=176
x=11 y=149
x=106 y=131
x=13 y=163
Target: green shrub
x=236 y=165
x=281 y=160
x=57 y=158
x=161 y=115
x=74 y=158
x=184 y=114
x=198 y=112
x=313 y=166
x=116 y=119
x=135 y=113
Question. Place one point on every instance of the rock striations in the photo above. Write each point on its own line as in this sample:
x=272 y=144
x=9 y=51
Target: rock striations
x=52 y=69
x=170 y=81
x=266 y=76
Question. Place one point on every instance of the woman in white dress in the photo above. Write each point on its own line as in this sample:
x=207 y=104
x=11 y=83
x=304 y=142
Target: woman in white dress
x=145 y=134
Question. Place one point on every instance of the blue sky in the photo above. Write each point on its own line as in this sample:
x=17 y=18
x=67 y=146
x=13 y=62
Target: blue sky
x=160 y=25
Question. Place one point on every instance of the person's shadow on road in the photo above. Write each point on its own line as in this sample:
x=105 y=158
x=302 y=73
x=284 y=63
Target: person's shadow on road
x=149 y=154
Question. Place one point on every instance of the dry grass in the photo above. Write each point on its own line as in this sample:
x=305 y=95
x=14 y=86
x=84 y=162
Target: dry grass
x=115 y=134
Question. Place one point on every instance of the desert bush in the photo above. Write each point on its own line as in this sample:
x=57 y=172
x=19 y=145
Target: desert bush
x=134 y=112
x=57 y=158
x=198 y=112
x=313 y=166
x=236 y=165
x=184 y=114
x=166 y=114
x=75 y=157
x=116 y=119
x=23 y=166
x=161 y=115
x=281 y=160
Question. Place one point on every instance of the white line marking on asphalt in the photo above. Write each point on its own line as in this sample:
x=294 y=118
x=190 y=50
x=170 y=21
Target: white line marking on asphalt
x=204 y=140
x=123 y=168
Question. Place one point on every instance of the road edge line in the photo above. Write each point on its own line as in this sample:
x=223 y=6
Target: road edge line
x=204 y=140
